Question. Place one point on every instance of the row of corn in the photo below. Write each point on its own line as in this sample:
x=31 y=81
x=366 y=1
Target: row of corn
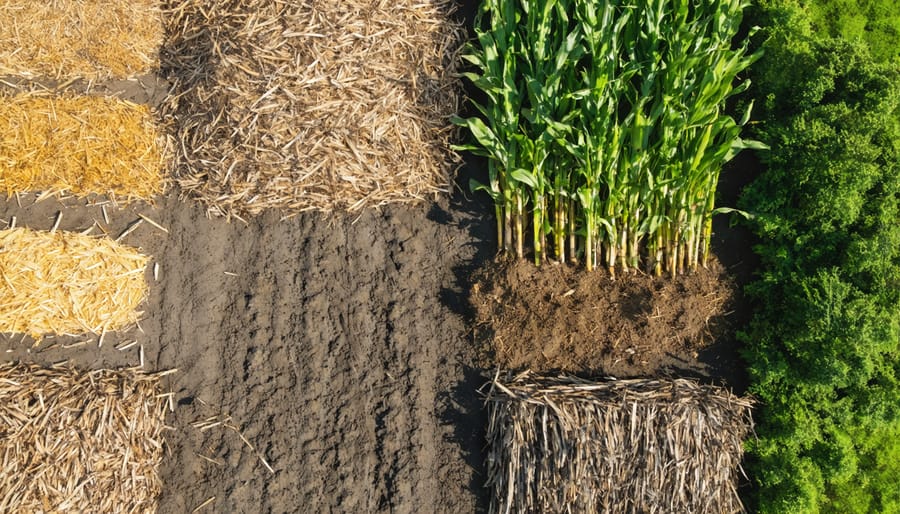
x=604 y=128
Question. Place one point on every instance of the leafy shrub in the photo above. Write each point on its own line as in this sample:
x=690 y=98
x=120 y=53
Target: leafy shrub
x=874 y=22
x=824 y=346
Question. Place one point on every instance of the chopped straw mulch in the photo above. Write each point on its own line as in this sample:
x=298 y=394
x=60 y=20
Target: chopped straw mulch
x=313 y=105
x=76 y=441
x=81 y=145
x=91 y=39
x=54 y=283
x=627 y=446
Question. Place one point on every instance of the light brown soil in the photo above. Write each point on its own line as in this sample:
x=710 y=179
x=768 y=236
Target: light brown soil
x=561 y=318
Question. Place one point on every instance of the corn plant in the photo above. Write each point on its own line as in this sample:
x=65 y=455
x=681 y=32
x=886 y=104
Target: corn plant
x=496 y=133
x=604 y=120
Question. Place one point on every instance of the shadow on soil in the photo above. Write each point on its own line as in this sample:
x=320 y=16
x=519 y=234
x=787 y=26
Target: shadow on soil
x=464 y=409
x=461 y=406
x=471 y=212
x=733 y=243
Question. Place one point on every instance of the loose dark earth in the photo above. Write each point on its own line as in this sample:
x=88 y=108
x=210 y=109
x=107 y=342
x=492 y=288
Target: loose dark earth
x=563 y=319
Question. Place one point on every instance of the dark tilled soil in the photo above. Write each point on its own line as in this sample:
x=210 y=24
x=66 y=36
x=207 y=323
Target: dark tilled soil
x=338 y=345
x=563 y=319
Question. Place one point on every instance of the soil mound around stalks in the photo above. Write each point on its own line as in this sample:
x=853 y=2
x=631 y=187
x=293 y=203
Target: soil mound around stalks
x=561 y=318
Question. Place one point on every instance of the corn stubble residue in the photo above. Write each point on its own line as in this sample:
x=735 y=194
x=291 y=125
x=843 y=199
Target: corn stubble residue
x=65 y=39
x=311 y=105
x=57 y=283
x=642 y=445
x=111 y=465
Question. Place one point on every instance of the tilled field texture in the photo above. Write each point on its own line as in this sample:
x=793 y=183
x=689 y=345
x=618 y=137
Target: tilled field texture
x=337 y=347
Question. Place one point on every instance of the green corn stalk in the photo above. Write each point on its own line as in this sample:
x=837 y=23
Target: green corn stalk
x=494 y=55
x=549 y=56
x=703 y=72
x=603 y=167
x=603 y=125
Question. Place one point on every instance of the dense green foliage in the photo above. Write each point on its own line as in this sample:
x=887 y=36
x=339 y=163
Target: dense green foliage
x=873 y=22
x=824 y=346
x=603 y=125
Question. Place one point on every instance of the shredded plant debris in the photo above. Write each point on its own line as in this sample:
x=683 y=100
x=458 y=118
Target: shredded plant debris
x=91 y=39
x=315 y=105
x=81 y=145
x=75 y=441
x=622 y=446
x=54 y=283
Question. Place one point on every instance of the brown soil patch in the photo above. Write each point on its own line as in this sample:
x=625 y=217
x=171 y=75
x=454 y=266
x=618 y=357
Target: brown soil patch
x=560 y=318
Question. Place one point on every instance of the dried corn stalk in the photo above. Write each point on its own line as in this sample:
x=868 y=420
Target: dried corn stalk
x=93 y=39
x=74 y=441
x=82 y=145
x=55 y=283
x=626 y=446
x=313 y=105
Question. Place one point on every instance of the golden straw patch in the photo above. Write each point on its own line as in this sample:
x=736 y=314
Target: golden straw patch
x=81 y=145
x=67 y=283
x=77 y=441
x=94 y=39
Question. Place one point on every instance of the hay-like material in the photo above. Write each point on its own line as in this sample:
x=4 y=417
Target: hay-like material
x=76 y=441
x=54 y=283
x=626 y=446
x=82 y=145
x=93 y=39
x=313 y=105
